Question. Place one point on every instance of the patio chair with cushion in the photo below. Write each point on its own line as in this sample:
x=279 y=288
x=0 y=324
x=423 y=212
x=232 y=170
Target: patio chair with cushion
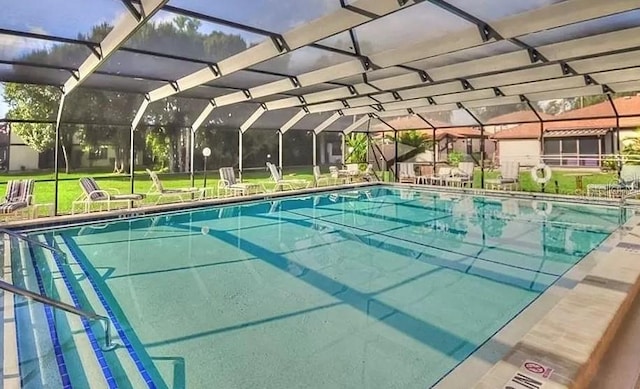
x=228 y=184
x=509 y=177
x=17 y=199
x=157 y=189
x=92 y=194
x=462 y=175
x=282 y=183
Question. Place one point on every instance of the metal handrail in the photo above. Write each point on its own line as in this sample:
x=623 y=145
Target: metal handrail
x=108 y=345
x=32 y=241
x=623 y=203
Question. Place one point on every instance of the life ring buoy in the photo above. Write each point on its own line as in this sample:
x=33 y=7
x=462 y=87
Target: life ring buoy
x=546 y=176
x=542 y=211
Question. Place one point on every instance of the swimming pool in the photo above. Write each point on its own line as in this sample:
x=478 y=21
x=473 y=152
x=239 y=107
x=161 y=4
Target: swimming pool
x=373 y=288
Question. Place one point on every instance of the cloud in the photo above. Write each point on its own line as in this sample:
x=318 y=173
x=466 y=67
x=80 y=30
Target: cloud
x=12 y=47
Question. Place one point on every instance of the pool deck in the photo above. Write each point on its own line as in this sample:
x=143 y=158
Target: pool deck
x=566 y=332
x=566 y=347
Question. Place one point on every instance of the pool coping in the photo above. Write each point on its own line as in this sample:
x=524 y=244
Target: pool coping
x=103 y=216
x=564 y=348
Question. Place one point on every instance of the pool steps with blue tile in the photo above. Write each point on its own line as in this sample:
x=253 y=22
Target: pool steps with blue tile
x=81 y=361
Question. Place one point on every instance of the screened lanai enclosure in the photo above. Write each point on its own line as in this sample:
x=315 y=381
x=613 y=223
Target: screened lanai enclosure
x=108 y=88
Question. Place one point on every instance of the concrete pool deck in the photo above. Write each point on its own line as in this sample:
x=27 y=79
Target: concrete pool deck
x=566 y=347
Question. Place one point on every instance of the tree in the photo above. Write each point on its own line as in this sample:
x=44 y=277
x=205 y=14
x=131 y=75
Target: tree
x=356 y=147
x=414 y=138
x=33 y=102
x=103 y=115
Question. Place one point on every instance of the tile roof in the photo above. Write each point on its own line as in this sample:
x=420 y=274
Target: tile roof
x=582 y=118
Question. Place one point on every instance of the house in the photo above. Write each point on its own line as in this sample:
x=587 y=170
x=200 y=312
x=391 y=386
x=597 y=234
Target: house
x=465 y=139
x=578 y=138
x=16 y=155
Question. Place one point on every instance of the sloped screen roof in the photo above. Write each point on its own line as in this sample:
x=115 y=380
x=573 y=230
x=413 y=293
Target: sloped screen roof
x=268 y=64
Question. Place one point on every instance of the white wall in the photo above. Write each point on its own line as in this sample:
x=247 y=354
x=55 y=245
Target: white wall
x=525 y=151
x=21 y=156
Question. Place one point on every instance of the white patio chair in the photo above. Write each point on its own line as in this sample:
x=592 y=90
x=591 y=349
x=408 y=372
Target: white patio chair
x=281 y=183
x=157 y=189
x=407 y=173
x=509 y=177
x=462 y=175
x=228 y=184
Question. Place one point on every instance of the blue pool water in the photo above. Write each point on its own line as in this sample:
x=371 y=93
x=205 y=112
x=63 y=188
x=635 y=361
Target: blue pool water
x=380 y=288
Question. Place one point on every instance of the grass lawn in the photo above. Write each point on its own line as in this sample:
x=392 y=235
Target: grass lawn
x=69 y=190
x=566 y=182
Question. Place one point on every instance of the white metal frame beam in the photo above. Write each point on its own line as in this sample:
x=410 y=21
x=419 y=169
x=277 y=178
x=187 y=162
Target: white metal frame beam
x=424 y=96
x=500 y=64
x=557 y=15
x=356 y=124
x=323 y=126
x=292 y=122
x=357 y=13
x=252 y=119
x=124 y=28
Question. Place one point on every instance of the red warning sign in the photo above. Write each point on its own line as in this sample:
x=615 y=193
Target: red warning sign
x=537 y=368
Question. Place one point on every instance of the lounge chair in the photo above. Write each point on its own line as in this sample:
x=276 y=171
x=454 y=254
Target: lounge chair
x=18 y=198
x=441 y=175
x=407 y=173
x=509 y=177
x=327 y=179
x=157 y=189
x=462 y=175
x=281 y=183
x=229 y=185
x=92 y=194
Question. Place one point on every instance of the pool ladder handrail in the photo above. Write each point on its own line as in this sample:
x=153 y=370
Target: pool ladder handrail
x=623 y=203
x=108 y=344
x=25 y=238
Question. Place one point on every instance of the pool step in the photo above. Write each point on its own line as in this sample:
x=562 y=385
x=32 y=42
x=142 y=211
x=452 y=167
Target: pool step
x=37 y=363
x=43 y=344
x=123 y=368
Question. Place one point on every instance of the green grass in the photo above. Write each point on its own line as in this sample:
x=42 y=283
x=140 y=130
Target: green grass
x=69 y=190
x=566 y=184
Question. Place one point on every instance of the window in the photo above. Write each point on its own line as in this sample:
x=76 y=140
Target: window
x=589 y=151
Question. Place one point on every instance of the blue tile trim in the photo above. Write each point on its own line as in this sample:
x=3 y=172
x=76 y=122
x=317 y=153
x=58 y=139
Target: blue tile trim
x=57 y=347
x=106 y=371
x=73 y=249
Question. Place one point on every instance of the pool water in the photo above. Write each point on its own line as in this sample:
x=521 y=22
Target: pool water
x=379 y=288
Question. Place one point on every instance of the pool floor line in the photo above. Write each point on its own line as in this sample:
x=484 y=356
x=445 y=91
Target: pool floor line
x=400 y=320
x=206 y=265
x=429 y=223
x=422 y=244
